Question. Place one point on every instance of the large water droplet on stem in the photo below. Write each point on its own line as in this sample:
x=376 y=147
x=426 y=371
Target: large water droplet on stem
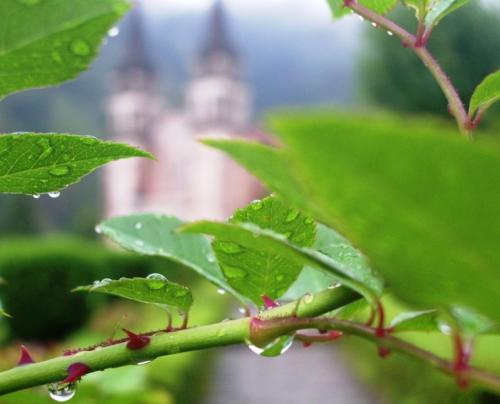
x=61 y=392
x=275 y=348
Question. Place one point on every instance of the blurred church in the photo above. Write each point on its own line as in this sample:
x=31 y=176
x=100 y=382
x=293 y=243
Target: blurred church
x=189 y=180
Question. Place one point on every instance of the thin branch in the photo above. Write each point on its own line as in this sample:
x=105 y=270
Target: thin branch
x=272 y=323
x=455 y=103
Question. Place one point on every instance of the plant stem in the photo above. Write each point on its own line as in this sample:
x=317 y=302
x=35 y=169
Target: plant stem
x=456 y=106
x=196 y=338
x=272 y=323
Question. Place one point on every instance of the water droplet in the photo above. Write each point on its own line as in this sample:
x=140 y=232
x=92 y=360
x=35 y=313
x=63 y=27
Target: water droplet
x=275 y=348
x=56 y=57
x=334 y=286
x=54 y=194
x=444 y=328
x=113 y=32
x=242 y=310
x=292 y=215
x=229 y=247
x=138 y=226
x=79 y=47
x=308 y=298
x=59 y=171
x=45 y=146
x=143 y=363
x=210 y=257
x=139 y=243
x=390 y=33
x=256 y=205
x=221 y=291
x=97 y=229
x=374 y=25
x=156 y=281
x=181 y=292
x=234 y=272
x=61 y=392
x=361 y=17
x=36 y=196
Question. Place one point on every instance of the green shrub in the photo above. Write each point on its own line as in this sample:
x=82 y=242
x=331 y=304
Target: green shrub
x=40 y=274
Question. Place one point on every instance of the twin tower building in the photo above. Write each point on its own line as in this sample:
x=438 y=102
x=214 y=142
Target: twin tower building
x=189 y=180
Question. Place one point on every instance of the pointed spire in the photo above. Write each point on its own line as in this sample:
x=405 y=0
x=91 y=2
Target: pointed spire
x=136 y=57
x=217 y=39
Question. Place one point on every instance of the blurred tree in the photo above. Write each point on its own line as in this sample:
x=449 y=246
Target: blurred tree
x=466 y=44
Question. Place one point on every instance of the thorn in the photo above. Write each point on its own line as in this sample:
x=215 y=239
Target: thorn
x=269 y=303
x=380 y=331
x=383 y=351
x=136 y=341
x=463 y=350
x=306 y=344
x=333 y=335
x=25 y=358
x=185 y=319
x=76 y=371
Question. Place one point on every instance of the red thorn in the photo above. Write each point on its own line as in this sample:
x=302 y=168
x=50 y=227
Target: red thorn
x=380 y=331
x=25 y=358
x=383 y=352
x=306 y=344
x=76 y=371
x=136 y=341
x=268 y=302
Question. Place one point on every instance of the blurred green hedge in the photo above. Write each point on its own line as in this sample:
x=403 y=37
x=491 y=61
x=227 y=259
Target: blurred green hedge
x=39 y=274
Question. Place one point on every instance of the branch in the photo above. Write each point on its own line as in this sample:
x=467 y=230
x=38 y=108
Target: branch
x=417 y=44
x=271 y=324
x=168 y=343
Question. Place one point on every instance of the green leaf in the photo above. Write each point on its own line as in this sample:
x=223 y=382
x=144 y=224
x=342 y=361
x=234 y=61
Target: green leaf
x=38 y=163
x=155 y=289
x=485 y=94
x=379 y=6
x=426 y=320
x=249 y=236
x=254 y=272
x=332 y=244
x=420 y=7
x=438 y=9
x=45 y=42
x=420 y=201
x=151 y=234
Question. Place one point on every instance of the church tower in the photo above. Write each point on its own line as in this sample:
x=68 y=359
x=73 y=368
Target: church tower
x=217 y=99
x=132 y=111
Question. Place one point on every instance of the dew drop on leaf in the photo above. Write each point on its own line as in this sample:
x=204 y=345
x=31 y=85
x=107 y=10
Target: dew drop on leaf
x=229 y=247
x=233 y=272
x=36 y=196
x=97 y=229
x=143 y=363
x=115 y=31
x=257 y=205
x=59 y=171
x=79 y=47
x=292 y=215
x=275 y=348
x=156 y=281
x=139 y=243
x=61 y=392
x=221 y=291
x=54 y=194
x=138 y=226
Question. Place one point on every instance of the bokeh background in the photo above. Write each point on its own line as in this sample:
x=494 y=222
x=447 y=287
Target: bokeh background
x=174 y=71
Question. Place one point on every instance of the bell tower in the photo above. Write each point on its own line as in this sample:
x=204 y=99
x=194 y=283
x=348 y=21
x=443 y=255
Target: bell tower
x=217 y=98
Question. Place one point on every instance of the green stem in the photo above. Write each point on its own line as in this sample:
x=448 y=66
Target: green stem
x=196 y=338
x=272 y=323
x=455 y=103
